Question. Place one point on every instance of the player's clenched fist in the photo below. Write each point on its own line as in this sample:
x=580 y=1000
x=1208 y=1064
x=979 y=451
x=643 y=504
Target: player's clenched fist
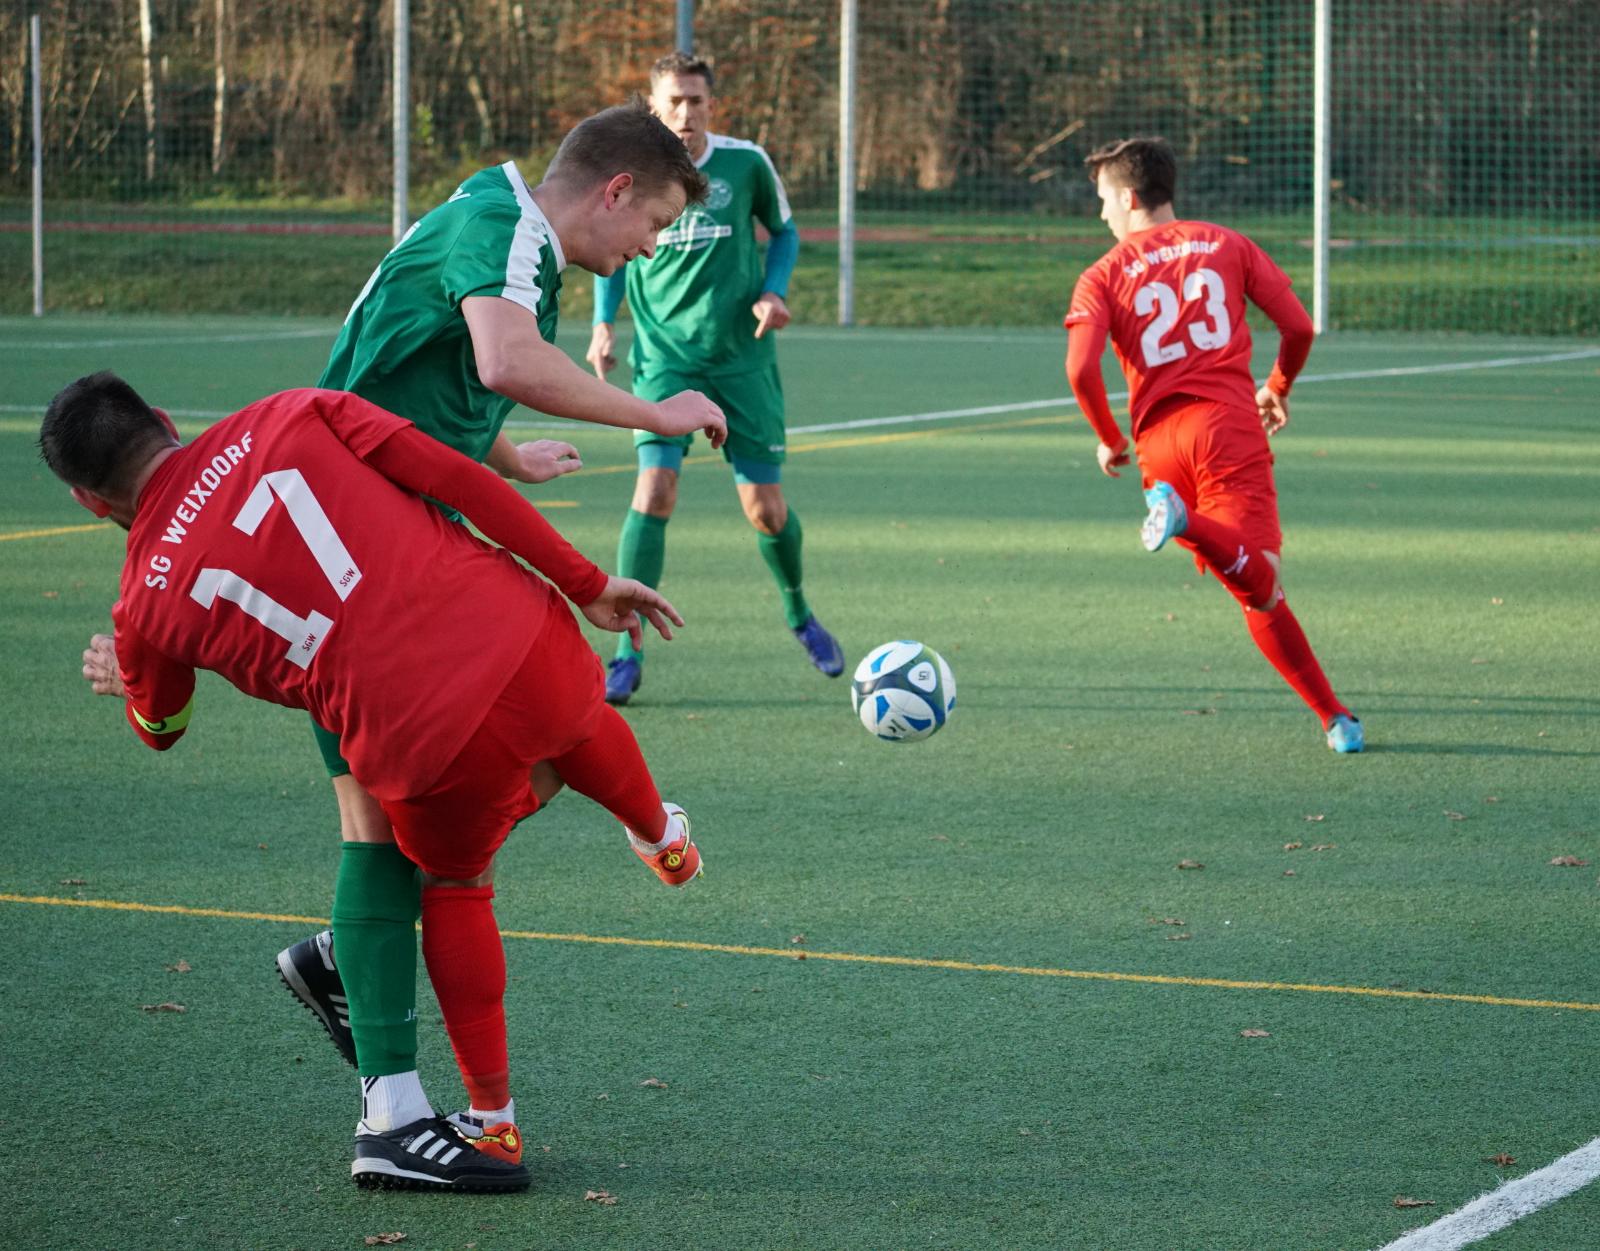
x=602 y=353
x=689 y=411
x=100 y=666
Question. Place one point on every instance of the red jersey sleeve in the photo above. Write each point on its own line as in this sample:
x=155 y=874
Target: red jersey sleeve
x=159 y=690
x=1091 y=302
x=1086 y=343
x=403 y=454
x=1268 y=288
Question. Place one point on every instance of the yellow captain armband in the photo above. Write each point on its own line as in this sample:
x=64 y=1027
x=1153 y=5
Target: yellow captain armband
x=167 y=725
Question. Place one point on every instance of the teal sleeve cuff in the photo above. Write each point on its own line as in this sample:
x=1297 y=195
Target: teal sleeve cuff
x=781 y=254
x=608 y=293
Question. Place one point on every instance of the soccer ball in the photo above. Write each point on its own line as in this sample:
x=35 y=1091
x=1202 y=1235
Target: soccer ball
x=903 y=691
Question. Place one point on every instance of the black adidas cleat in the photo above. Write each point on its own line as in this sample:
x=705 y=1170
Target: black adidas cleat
x=430 y=1155
x=307 y=969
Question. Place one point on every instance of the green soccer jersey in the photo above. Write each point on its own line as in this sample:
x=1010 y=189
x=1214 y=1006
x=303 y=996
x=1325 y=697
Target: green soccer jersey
x=691 y=301
x=405 y=345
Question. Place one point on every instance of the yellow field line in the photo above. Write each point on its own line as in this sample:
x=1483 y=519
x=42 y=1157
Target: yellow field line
x=41 y=534
x=846 y=957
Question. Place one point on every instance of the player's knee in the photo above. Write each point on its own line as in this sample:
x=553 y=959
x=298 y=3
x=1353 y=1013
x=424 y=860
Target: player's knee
x=361 y=817
x=656 y=492
x=768 y=513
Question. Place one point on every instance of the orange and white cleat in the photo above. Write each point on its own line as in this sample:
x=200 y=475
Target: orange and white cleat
x=676 y=861
x=500 y=1142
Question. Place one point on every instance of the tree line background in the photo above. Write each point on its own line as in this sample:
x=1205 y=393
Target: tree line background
x=1444 y=106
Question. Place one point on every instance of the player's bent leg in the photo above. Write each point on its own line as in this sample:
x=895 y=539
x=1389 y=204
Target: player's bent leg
x=781 y=538
x=1278 y=634
x=642 y=551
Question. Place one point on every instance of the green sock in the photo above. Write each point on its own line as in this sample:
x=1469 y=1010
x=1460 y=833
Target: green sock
x=641 y=554
x=377 y=898
x=781 y=551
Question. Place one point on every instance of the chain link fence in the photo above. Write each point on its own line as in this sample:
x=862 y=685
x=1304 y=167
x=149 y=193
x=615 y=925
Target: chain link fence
x=235 y=155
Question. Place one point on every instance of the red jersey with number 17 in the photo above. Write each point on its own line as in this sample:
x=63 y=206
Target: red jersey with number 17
x=267 y=551
x=1173 y=301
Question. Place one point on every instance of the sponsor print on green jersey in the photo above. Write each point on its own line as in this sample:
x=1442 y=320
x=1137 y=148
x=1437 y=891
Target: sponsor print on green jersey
x=405 y=344
x=691 y=301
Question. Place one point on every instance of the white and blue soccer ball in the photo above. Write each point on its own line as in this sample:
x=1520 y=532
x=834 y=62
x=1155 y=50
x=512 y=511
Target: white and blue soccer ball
x=903 y=691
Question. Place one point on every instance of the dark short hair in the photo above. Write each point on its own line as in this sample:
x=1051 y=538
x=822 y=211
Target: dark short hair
x=682 y=63
x=1147 y=165
x=627 y=139
x=98 y=433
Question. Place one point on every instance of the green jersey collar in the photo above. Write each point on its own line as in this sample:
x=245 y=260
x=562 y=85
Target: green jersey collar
x=530 y=208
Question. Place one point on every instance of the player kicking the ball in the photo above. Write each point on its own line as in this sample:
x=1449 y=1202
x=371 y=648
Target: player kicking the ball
x=1171 y=295
x=705 y=312
x=288 y=548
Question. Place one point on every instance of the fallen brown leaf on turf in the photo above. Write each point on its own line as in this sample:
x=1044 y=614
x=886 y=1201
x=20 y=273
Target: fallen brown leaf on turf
x=1254 y=1033
x=797 y=939
x=1199 y=712
x=655 y=1082
x=385 y=1240
x=1569 y=862
x=602 y=1096
x=1491 y=799
x=183 y=966
x=1500 y=1161
x=164 y=1007
x=1324 y=846
x=1167 y=921
x=1496 y=600
x=1179 y=938
x=1455 y=816
x=599 y=1196
x=939 y=838
x=74 y=881
x=1190 y=864
x=1400 y=1201
x=1316 y=816
x=1293 y=846
x=1288 y=873
x=52 y=594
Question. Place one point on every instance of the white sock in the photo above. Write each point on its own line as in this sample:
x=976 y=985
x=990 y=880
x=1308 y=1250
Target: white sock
x=646 y=846
x=392 y=1101
x=497 y=1115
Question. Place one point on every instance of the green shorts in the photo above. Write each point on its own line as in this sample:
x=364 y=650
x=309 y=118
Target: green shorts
x=753 y=403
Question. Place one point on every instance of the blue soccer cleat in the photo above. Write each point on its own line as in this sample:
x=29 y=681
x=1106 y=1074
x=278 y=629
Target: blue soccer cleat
x=1167 y=518
x=822 y=647
x=623 y=676
x=1345 y=735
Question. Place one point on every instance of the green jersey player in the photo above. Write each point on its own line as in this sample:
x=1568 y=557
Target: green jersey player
x=452 y=330
x=704 y=306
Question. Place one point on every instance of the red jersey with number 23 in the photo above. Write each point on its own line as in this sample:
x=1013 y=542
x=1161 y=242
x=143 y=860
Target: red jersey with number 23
x=1172 y=299
x=268 y=552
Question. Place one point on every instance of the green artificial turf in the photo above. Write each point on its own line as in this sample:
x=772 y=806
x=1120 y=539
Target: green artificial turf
x=1113 y=720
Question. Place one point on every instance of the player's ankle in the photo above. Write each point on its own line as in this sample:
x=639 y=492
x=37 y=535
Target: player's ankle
x=393 y=1100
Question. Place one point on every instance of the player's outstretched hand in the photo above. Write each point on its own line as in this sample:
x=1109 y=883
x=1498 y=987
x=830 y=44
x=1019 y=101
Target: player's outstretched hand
x=100 y=666
x=771 y=313
x=621 y=605
x=689 y=411
x=544 y=459
x=1111 y=457
x=602 y=350
x=1273 y=408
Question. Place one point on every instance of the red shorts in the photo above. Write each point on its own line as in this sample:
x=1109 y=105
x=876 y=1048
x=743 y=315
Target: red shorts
x=551 y=704
x=1216 y=457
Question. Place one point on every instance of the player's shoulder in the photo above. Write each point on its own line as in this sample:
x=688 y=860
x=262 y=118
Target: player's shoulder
x=729 y=150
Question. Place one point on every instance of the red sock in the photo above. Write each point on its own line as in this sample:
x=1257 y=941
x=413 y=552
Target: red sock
x=1281 y=640
x=608 y=768
x=467 y=964
x=1241 y=566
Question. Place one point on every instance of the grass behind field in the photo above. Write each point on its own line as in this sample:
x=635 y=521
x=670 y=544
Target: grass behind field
x=1113 y=720
x=1493 y=275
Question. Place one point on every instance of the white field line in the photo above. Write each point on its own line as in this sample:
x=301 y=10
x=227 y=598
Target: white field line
x=1510 y=1202
x=990 y=410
